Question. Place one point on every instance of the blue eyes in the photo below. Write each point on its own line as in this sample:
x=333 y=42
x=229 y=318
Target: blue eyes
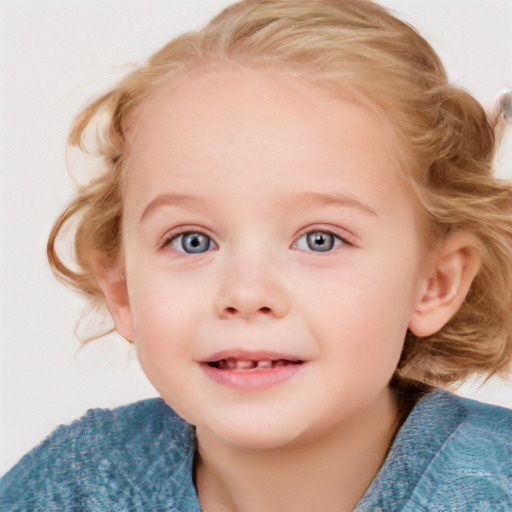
x=195 y=242
x=192 y=243
x=318 y=241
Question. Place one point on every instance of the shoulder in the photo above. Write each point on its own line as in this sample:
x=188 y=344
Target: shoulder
x=482 y=432
x=102 y=431
x=490 y=425
x=469 y=417
x=451 y=455
x=470 y=466
x=104 y=457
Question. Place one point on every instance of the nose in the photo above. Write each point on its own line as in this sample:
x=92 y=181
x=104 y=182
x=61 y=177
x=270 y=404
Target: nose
x=252 y=288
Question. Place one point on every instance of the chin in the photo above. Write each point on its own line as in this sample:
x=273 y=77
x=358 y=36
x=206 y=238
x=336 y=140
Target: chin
x=253 y=434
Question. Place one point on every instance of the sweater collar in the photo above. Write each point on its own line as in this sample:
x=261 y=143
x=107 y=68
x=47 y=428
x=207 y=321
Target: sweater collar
x=426 y=429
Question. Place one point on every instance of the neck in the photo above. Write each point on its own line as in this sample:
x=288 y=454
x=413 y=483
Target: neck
x=330 y=471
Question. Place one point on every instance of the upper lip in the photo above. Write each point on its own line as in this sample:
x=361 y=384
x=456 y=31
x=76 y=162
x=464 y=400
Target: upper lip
x=250 y=355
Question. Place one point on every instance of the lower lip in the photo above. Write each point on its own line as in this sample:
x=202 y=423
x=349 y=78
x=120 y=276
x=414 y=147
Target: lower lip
x=253 y=380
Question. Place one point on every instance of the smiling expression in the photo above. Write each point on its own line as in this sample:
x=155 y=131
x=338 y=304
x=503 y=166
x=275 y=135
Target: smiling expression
x=271 y=253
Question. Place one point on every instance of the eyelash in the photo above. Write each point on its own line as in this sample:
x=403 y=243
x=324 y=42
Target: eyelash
x=337 y=241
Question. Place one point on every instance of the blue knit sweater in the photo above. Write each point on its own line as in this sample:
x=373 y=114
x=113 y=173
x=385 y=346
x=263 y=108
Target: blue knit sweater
x=451 y=455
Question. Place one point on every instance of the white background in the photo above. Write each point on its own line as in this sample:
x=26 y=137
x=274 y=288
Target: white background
x=55 y=55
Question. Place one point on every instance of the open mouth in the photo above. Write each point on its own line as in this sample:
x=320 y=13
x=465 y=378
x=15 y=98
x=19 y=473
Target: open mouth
x=232 y=363
x=246 y=371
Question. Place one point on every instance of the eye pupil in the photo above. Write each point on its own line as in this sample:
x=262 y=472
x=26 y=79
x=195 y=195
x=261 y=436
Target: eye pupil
x=320 y=241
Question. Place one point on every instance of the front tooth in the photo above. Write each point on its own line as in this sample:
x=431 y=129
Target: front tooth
x=230 y=364
x=245 y=365
x=264 y=364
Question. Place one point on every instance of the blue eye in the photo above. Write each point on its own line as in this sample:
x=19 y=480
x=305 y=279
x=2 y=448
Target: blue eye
x=192 y=243
x=318 y=241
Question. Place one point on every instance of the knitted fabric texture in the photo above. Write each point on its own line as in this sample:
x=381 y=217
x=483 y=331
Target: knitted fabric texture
x=451 y=455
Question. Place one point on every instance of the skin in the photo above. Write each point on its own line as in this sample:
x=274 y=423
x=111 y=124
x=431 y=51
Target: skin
x=255 y=161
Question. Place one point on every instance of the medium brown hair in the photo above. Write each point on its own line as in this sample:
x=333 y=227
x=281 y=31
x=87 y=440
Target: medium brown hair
x=347 y=45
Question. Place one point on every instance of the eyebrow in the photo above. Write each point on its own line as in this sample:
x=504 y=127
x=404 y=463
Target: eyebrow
x=299 y=202
x=312 y=199
x=163 y=200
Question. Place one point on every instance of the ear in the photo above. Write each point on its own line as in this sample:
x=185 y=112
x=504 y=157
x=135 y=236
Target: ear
x=112 y=282
x=443 y=289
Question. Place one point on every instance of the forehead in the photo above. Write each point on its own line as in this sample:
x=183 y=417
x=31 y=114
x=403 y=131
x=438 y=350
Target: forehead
x=266 y=128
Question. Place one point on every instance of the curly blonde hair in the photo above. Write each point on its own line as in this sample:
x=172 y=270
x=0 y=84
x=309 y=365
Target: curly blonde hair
x=347 y=45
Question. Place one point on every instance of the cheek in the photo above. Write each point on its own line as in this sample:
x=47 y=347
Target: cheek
x=166 y=310
x=361 y=315
x=165 y=326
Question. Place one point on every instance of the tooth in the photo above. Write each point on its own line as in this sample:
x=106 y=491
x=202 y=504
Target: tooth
x=227 y=364
x=245 y=365
x=232 y=363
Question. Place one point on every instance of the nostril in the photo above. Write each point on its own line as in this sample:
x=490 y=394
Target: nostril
x=233 y=312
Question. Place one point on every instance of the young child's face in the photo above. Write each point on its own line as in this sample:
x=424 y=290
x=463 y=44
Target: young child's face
x=266 y=224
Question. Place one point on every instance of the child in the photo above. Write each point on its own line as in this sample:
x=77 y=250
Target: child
x=299 y=229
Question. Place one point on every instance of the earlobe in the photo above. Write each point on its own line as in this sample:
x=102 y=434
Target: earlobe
x=443 y=289
x=112 y=282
